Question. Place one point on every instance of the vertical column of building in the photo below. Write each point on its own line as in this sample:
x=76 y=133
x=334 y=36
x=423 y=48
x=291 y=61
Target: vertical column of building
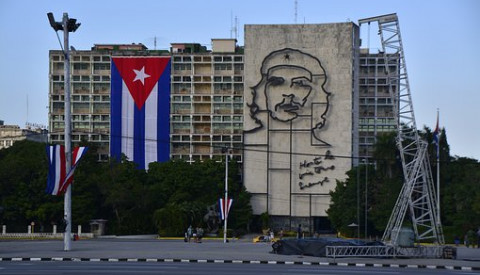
x=202 y=107
x=82 y=107
x=376 y=111
x=56 y=97
x=181 y=109
x=100 y=98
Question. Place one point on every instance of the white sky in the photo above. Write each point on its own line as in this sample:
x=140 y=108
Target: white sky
x=441 y=40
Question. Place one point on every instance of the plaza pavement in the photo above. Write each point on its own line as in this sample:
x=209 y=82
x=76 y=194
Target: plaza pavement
x=148 y=248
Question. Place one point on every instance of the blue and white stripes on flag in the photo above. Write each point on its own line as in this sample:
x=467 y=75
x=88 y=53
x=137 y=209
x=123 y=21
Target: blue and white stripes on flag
x=57 y=179
x=140 y=109
x=225 y=207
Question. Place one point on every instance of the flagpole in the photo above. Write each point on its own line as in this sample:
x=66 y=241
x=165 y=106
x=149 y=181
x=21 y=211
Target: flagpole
x=67 y=25
x=438 y=169
x=225 y=210
x=68 y=144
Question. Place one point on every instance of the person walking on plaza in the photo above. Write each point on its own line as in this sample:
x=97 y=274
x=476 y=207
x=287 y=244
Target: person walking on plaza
x=199 y=235
x=189 y=233
x=299 y=231
x=466 y=241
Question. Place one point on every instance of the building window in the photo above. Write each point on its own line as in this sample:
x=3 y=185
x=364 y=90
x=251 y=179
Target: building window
x=101 y=66
x=80 y=66
x=238 y=67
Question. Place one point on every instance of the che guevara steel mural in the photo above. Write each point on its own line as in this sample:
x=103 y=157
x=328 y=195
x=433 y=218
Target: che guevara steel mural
x=292 y=93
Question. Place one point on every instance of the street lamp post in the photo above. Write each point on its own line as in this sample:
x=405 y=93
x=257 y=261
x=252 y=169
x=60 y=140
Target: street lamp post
x=366 y=197
x=226 y=197
x=67 y=25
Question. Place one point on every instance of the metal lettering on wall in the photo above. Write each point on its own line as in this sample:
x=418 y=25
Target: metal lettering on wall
x=308 y=169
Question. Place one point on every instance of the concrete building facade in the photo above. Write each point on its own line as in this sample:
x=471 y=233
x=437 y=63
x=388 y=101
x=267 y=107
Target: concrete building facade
x=300 y=116
x=375 y=102
x=206 y=100
x=9 y=134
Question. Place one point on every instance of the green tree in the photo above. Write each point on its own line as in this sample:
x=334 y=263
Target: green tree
x=387 y=180
x=460 y=202
x=23 y=180
x=343 y=210
x=125 y=192
x=191 y=188
x=383 y=185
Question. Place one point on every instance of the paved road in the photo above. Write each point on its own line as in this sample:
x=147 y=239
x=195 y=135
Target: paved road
x=210 y=250
x=104 y=268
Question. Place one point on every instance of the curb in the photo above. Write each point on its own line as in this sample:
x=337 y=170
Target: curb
x=236 y=262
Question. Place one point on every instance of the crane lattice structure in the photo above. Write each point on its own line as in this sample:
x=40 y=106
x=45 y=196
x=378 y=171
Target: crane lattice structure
x=417 y=194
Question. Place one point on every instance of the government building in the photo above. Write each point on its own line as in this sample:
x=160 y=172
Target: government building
x=297 y=106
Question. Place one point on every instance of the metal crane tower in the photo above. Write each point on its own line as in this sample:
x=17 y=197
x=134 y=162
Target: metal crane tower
x=417 y=195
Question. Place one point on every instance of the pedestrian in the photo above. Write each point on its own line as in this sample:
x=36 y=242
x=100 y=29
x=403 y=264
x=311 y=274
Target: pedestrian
x=199 y=234
x=299 y=231
x=466 y=241
x=189 y=233
x=195 y=235
x=280 y=234
x=457 y=240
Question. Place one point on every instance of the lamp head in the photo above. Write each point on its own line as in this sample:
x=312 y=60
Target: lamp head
x=57 y=26
x=72 y=25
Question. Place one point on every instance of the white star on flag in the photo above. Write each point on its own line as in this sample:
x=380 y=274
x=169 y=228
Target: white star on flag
x=140 y=75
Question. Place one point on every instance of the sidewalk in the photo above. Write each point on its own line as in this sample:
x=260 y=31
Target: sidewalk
x=210 y=250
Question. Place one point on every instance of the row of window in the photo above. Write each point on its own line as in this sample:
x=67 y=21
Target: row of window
x=84 y=118
x=378 y=60
x=376 y=100
x=219 y=58
x=376 y=128
x=189 y=118
x=197 y=158
x=188 y=98
x=373 y=81
x=86 y=78
x=375 y=69
x=216 y=138
x=75 y=137
x=82 y=66
x=371 y=121
x=379 y=89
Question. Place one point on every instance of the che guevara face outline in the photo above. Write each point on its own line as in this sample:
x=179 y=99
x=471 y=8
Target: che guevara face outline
x=287 y=89
x=292 y=85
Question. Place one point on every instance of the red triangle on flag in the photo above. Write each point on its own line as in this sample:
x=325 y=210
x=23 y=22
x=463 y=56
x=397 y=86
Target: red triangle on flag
x=140 y=74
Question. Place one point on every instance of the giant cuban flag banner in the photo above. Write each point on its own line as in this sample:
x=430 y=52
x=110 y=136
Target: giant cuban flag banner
x=140 y=109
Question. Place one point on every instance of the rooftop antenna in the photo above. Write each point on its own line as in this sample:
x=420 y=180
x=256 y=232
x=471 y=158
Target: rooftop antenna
x=235 y=28
x=296 y=9
x=27 y=107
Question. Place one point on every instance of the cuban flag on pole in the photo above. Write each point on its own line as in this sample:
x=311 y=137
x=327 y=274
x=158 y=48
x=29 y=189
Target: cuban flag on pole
x=225 y=208
x=57 y=179
x=436 y=134
x=140 y=109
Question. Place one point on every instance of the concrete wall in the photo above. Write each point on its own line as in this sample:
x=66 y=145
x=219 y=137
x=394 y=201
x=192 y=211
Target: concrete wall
x=292 y=149
x=223 y=45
